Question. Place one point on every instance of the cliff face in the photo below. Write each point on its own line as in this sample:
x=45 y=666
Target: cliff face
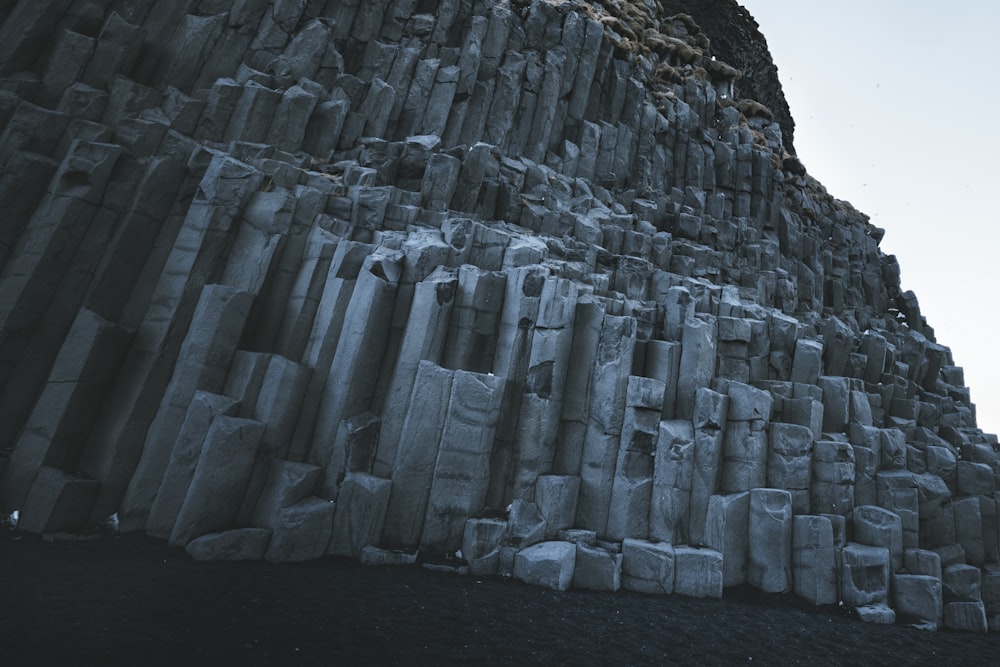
x=528 y=280
x=736 y=39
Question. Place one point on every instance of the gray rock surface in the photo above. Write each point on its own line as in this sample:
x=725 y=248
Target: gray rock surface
x=597 y=569
x=647 y=567
x=398 y=272
x=235 y=544
x=698 y=572
x=548 y=564
x=770 y=540
x=814 y=559
x=919 y=596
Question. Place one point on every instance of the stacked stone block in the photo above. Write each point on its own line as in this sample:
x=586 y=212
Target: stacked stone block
x=283 y=279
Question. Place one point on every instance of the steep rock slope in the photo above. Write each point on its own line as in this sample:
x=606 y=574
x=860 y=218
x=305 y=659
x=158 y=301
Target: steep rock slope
x=526 y=280
x=736 y=39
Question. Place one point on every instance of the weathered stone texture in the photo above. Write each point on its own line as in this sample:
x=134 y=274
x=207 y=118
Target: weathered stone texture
x=281 y=279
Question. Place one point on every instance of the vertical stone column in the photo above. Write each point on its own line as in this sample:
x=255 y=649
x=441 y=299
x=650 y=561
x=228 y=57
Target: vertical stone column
x=29 y=26
x=669 y=507
x=277 y=403
x=360 y=514
x=303 y=298
x=726 y=530
x=220 y=479
x=784 y=333
x=663 y=359
x=698 y=356
x=814 y=562
x=969 y=529
x=609 y=385
x=423 y=339
x=514 y=337
x=203 y=363
x=576 y=397
x=865 y=467
x=878 y=527
x=130 y=256
x=22 y=185
x=327 y=326
x=353 y=374
x=745 y=443
x=424 y=254
x=462 y=471
x=631 y=492
x=789 y=462
x=184 y=456
x=549 y=363
x=56 y=502
x=832 y=489
x=836 y=403
x=472 y=332
x=45 y=251
x=413 y=465
x=710 y=411
x=110 y=454
x=864 y=575
x=770 y=546
x=64 y=413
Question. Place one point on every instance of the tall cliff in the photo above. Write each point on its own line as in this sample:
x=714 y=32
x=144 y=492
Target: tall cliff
x=531 y=282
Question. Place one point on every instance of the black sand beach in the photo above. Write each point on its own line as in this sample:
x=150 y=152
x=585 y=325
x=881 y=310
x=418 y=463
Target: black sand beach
x=133 y=600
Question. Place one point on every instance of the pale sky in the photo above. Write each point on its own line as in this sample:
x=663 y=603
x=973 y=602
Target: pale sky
x=893 y=102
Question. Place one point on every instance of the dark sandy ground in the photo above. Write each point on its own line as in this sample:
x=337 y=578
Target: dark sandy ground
x=132 y=600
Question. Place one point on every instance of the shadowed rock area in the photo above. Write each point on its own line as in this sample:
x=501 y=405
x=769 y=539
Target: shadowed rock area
x=536 y=289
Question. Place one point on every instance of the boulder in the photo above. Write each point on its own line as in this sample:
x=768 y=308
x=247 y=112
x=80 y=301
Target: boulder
x=880 y=614
x=360 y=515
x=597 y=569
x=864 y=575
x=373 y=555
x=647 y=567
x=962 y=583
x=235 y=544
x=920 y=597
x=57 y=502
x=481 y=544
x=556 y=497
x=878 y=527
x=302 y=531
x=547 y=564
x=525 y=525
x=922 y=561
x=697 y=572
x=967 y=616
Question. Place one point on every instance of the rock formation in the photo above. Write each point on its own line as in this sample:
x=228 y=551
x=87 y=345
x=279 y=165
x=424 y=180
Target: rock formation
x=528 y=284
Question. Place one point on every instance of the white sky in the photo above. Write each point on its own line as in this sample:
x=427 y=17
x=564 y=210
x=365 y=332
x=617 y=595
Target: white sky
x=894 y=103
